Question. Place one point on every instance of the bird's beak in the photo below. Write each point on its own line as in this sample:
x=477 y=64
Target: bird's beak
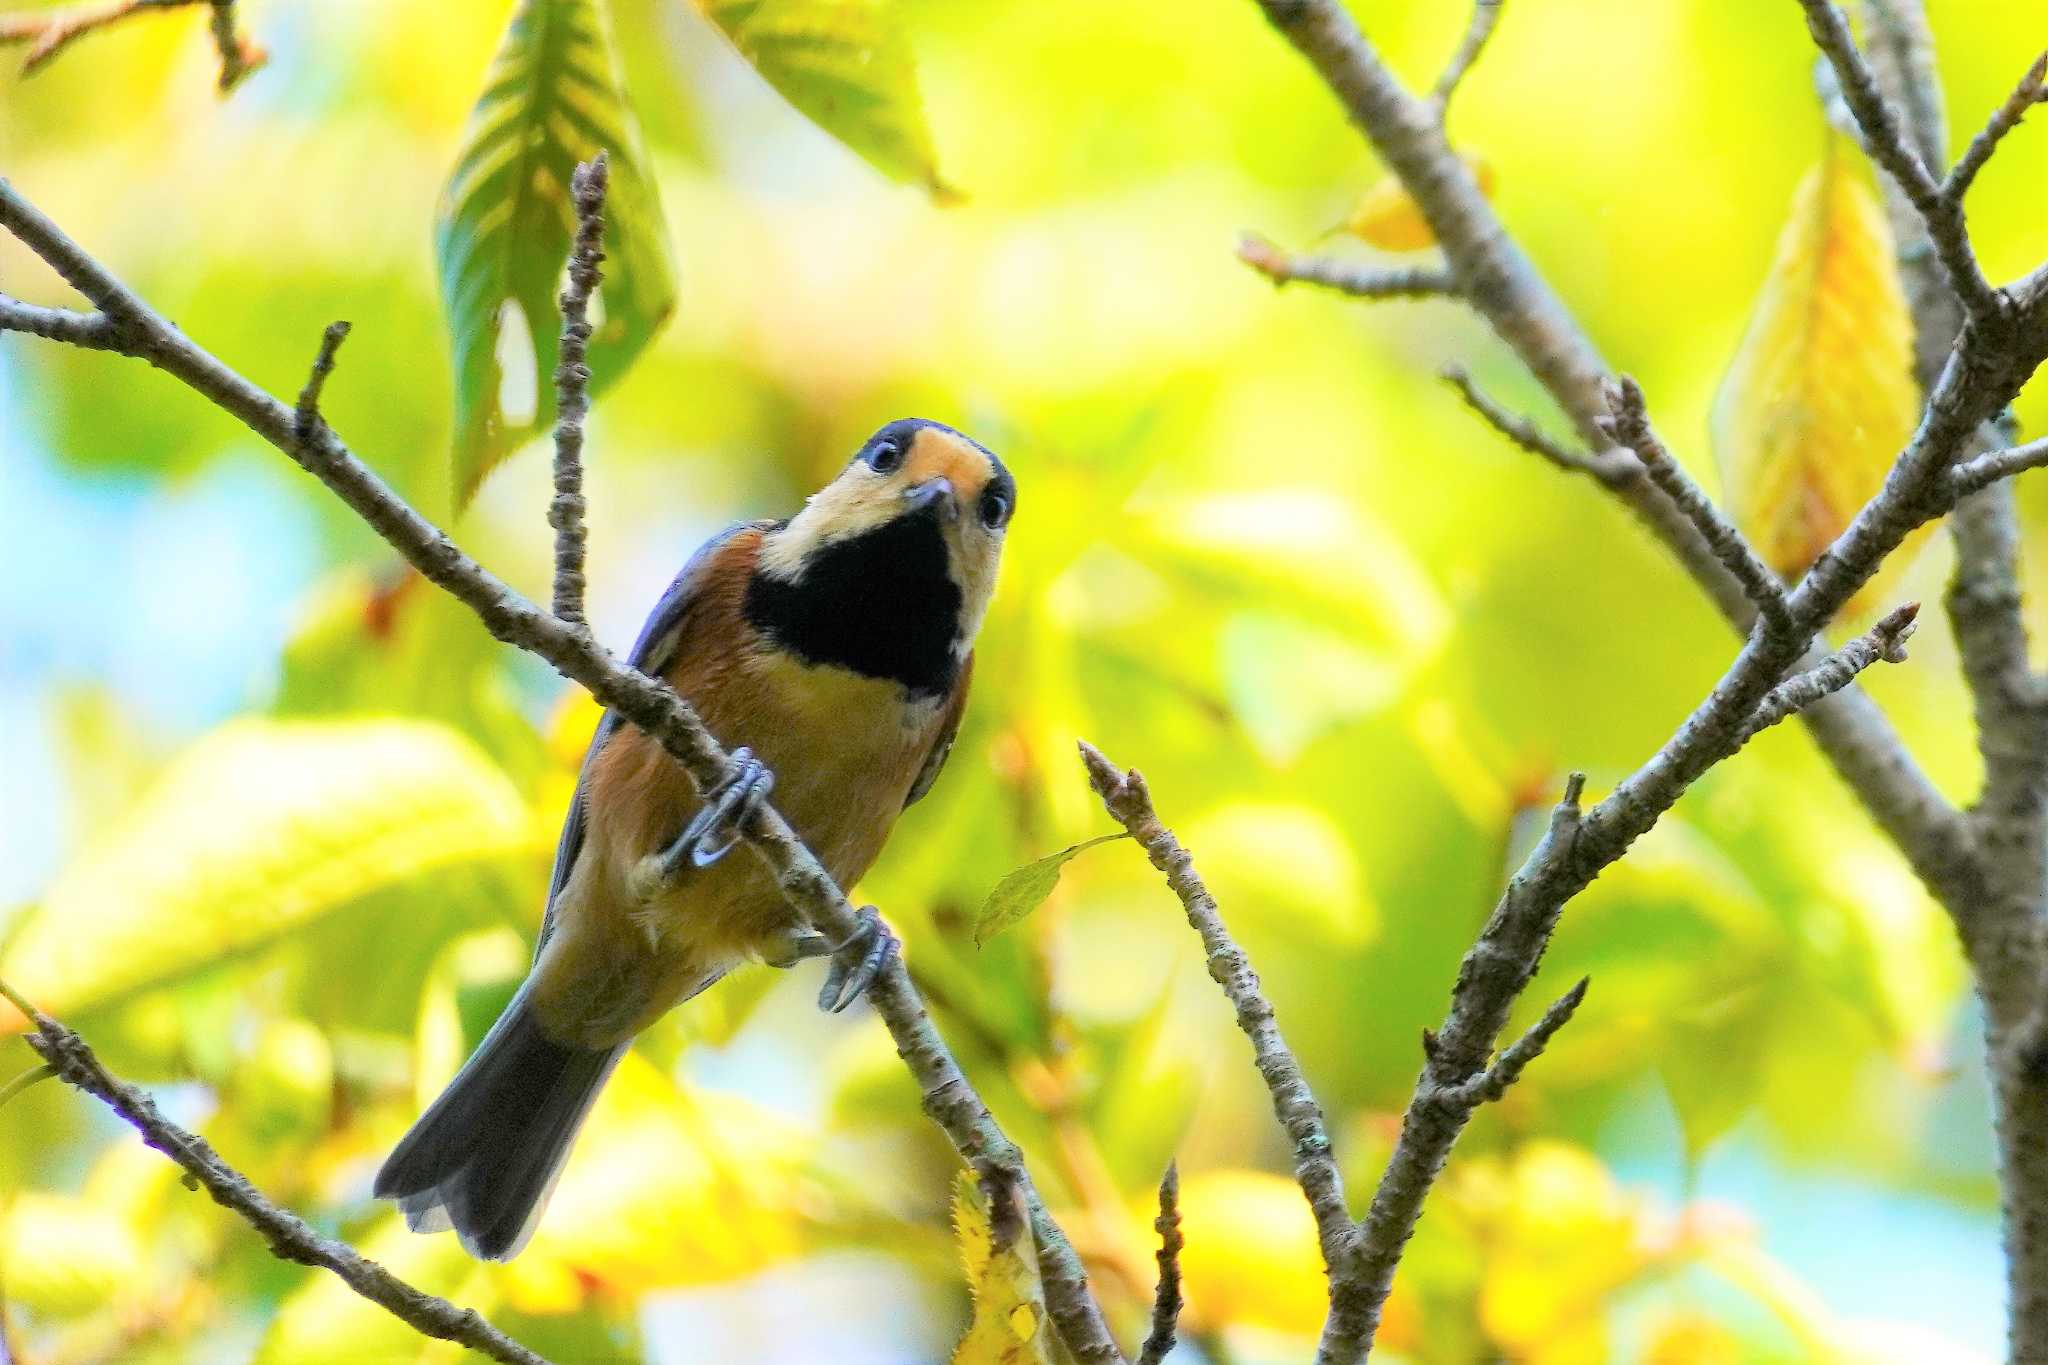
x=936 y=494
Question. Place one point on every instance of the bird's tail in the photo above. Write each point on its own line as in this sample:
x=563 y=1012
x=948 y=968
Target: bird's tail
x=485 y=1157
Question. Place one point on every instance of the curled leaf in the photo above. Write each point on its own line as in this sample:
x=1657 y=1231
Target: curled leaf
x=1821 y=395
x=1024 y=890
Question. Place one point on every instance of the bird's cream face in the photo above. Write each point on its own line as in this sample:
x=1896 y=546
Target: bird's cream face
x=910 y=468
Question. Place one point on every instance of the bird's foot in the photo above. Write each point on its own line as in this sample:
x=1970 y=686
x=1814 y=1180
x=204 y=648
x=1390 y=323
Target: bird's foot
x=715 y=829
x=858 y=961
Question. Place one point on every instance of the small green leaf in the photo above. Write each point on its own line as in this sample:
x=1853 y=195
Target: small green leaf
x=552 y=98
x=1023 y=891
x=846 y=65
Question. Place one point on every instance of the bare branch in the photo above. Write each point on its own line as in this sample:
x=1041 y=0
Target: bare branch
x=1346 y=277
x=1630 y=427
x=647 y=702
x=1886 y=139
x=93 y=331
x=1884 y=642
x=1129 y=803
x=1485 y=15
x=1532 y=438
x=48 y=32
x=572 y=387
x=290 y=1238
x=2029 y=92
x=1166 y=1300
x=1492 y=1083
x=1980 y=473
x=306 y=415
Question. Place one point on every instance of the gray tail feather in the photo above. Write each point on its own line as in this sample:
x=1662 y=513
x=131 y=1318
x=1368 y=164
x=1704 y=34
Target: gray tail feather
x=485 y=1156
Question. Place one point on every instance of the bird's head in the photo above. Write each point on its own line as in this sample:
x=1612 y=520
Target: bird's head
x=915 y=487
x=889 y=568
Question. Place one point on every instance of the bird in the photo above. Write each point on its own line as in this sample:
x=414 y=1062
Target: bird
x=834 y=650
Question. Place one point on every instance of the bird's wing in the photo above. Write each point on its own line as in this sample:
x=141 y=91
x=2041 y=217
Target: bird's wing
x=652 y=654
x=942 y=744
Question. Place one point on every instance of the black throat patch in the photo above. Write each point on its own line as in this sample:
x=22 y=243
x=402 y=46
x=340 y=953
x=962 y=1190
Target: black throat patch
x=880 y=603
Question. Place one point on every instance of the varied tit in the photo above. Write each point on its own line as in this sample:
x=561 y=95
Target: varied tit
x=834 y=648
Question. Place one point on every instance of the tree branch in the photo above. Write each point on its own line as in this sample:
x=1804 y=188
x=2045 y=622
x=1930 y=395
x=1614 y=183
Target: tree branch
x=646 y=702
x=1129 y=803
x=1630 y=427
x=1973 y=476
x=2029 y=92
x=1346 y=277
x=1503 y=285
x=290 y=1238
x=1485 y=15
x=1492 y=1083
x=49 y=32
x=306 y=417
x=1166 y=1300
x=572 y=387
x=1887 y=142
x=1884 y=642
x=1609 y=467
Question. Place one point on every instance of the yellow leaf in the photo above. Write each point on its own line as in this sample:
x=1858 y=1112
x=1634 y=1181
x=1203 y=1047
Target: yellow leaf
x=1388 y=218
x=65 y=1257
x=664 y=1189
x=254 y=830
x=1251 y=1257
x=1821 y=395
x=1010 y=1326
x=1564 y=1237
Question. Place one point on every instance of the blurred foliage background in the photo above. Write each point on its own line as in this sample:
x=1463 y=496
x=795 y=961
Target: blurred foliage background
x=278 y=818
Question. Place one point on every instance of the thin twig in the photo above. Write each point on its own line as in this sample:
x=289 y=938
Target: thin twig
x=1129 y=803
x=1884 y=642
x=290 y=1238
x=32 y=1076
x=49 y=32
x=1166 y=1299
x=649 y=703
x=1346 y=277
x=1604 y=466
x=2029 y=92
x=572 y=387
x=1492 y=1083
x=1973 y=475
x=1485 y=15
x=1887 y=141
x=1630 y=427
x=93 y=331
x=306 y=417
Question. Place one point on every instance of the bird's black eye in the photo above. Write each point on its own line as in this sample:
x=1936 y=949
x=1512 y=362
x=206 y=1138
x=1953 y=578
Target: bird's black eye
x=885 y=457
x=995 y=508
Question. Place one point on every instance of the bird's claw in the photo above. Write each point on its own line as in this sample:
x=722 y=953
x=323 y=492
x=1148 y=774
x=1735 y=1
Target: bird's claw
x=857 y=962
x=714 y=830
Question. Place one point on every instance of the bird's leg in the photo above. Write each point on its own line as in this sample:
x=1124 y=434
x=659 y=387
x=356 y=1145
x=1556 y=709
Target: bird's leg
x=714 y=830
x=858 y=961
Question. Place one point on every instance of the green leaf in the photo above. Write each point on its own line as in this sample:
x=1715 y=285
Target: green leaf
x=552 y=98
x=1024 y=890
x=846 y=65
x=258 y=828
